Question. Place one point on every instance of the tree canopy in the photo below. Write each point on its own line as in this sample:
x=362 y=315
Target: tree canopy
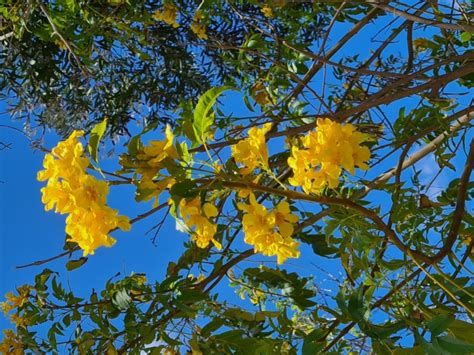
x=334 y=135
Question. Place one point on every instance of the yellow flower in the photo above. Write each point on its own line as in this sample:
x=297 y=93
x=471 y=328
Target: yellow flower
x=65 y=160
x=156 y=187
x=267 y=11
x=20 y=322
x=148 y=162
x=270 y=231
x=157 y=151
x=11 y=343
x=326 y=151
x=168 y=15
x=195 y=215
x=259 y=94
x=13 y=301
x=71 y=190
x=199 y=30
x=169 y=351
x=83 y=228
x=257 y=296
x=197 y=27
x=252 y=151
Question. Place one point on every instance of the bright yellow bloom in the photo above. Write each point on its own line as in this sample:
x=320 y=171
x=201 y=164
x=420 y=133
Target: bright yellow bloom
x=148 y=162
x=195 y=215
x=259 y=94
x=197 y=27
x=257 y=296
x=270 y=231
x=16 y=301
x=326 y=151
x=199 y=30
x=11 y=343
x=168 y=15
x=83 y=228
x=157 y=151
x=267 y=11
x=71 y=190
x=65 y=160
x=20 y=322
x=252 y=151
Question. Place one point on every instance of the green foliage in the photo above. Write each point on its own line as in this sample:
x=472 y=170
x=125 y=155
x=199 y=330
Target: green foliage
x=96 y=135
x=203 y=117
x=75 y=264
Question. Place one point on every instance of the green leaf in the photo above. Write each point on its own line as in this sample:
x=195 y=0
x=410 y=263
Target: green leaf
x=461 y=330
x=262 y=315
x=438 y=324
x=74 y=264
x=239 y=314
x=184 y=189
x=289 y=283
x=191 y=296
x=392 y=264
x=211 y=326
x=417 y=350
x=169 y=340
x=319 y=243
x=311 y=344
x=96 y=135
x=230 y=336
x=203 y=119
x=465 y=37
x=455 y=346
x=111 y=350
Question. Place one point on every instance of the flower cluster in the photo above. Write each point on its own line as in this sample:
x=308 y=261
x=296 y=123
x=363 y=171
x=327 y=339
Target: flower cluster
x=270 y=231
x=16 y=302
x=11 y=343
x=71 y=190
x=148 y=162
x=13 y=301
x=260 y=94
x=195 y=215
x=198 y=28
x=252 y=151
x=168 y=15
x=328 y=149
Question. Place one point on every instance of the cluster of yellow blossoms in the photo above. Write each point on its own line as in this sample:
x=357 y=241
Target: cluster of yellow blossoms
x=252 y=151
x=168 y=15
x=15 y=302
x=73 y=191
x=11 y=343
x=195 y=215
x=148 y=163
x=198 y=27
x=270 y=231
x=326 y=150
x=260 y=94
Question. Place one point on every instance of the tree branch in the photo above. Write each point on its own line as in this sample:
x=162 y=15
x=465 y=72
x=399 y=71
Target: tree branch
x=425 y=21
